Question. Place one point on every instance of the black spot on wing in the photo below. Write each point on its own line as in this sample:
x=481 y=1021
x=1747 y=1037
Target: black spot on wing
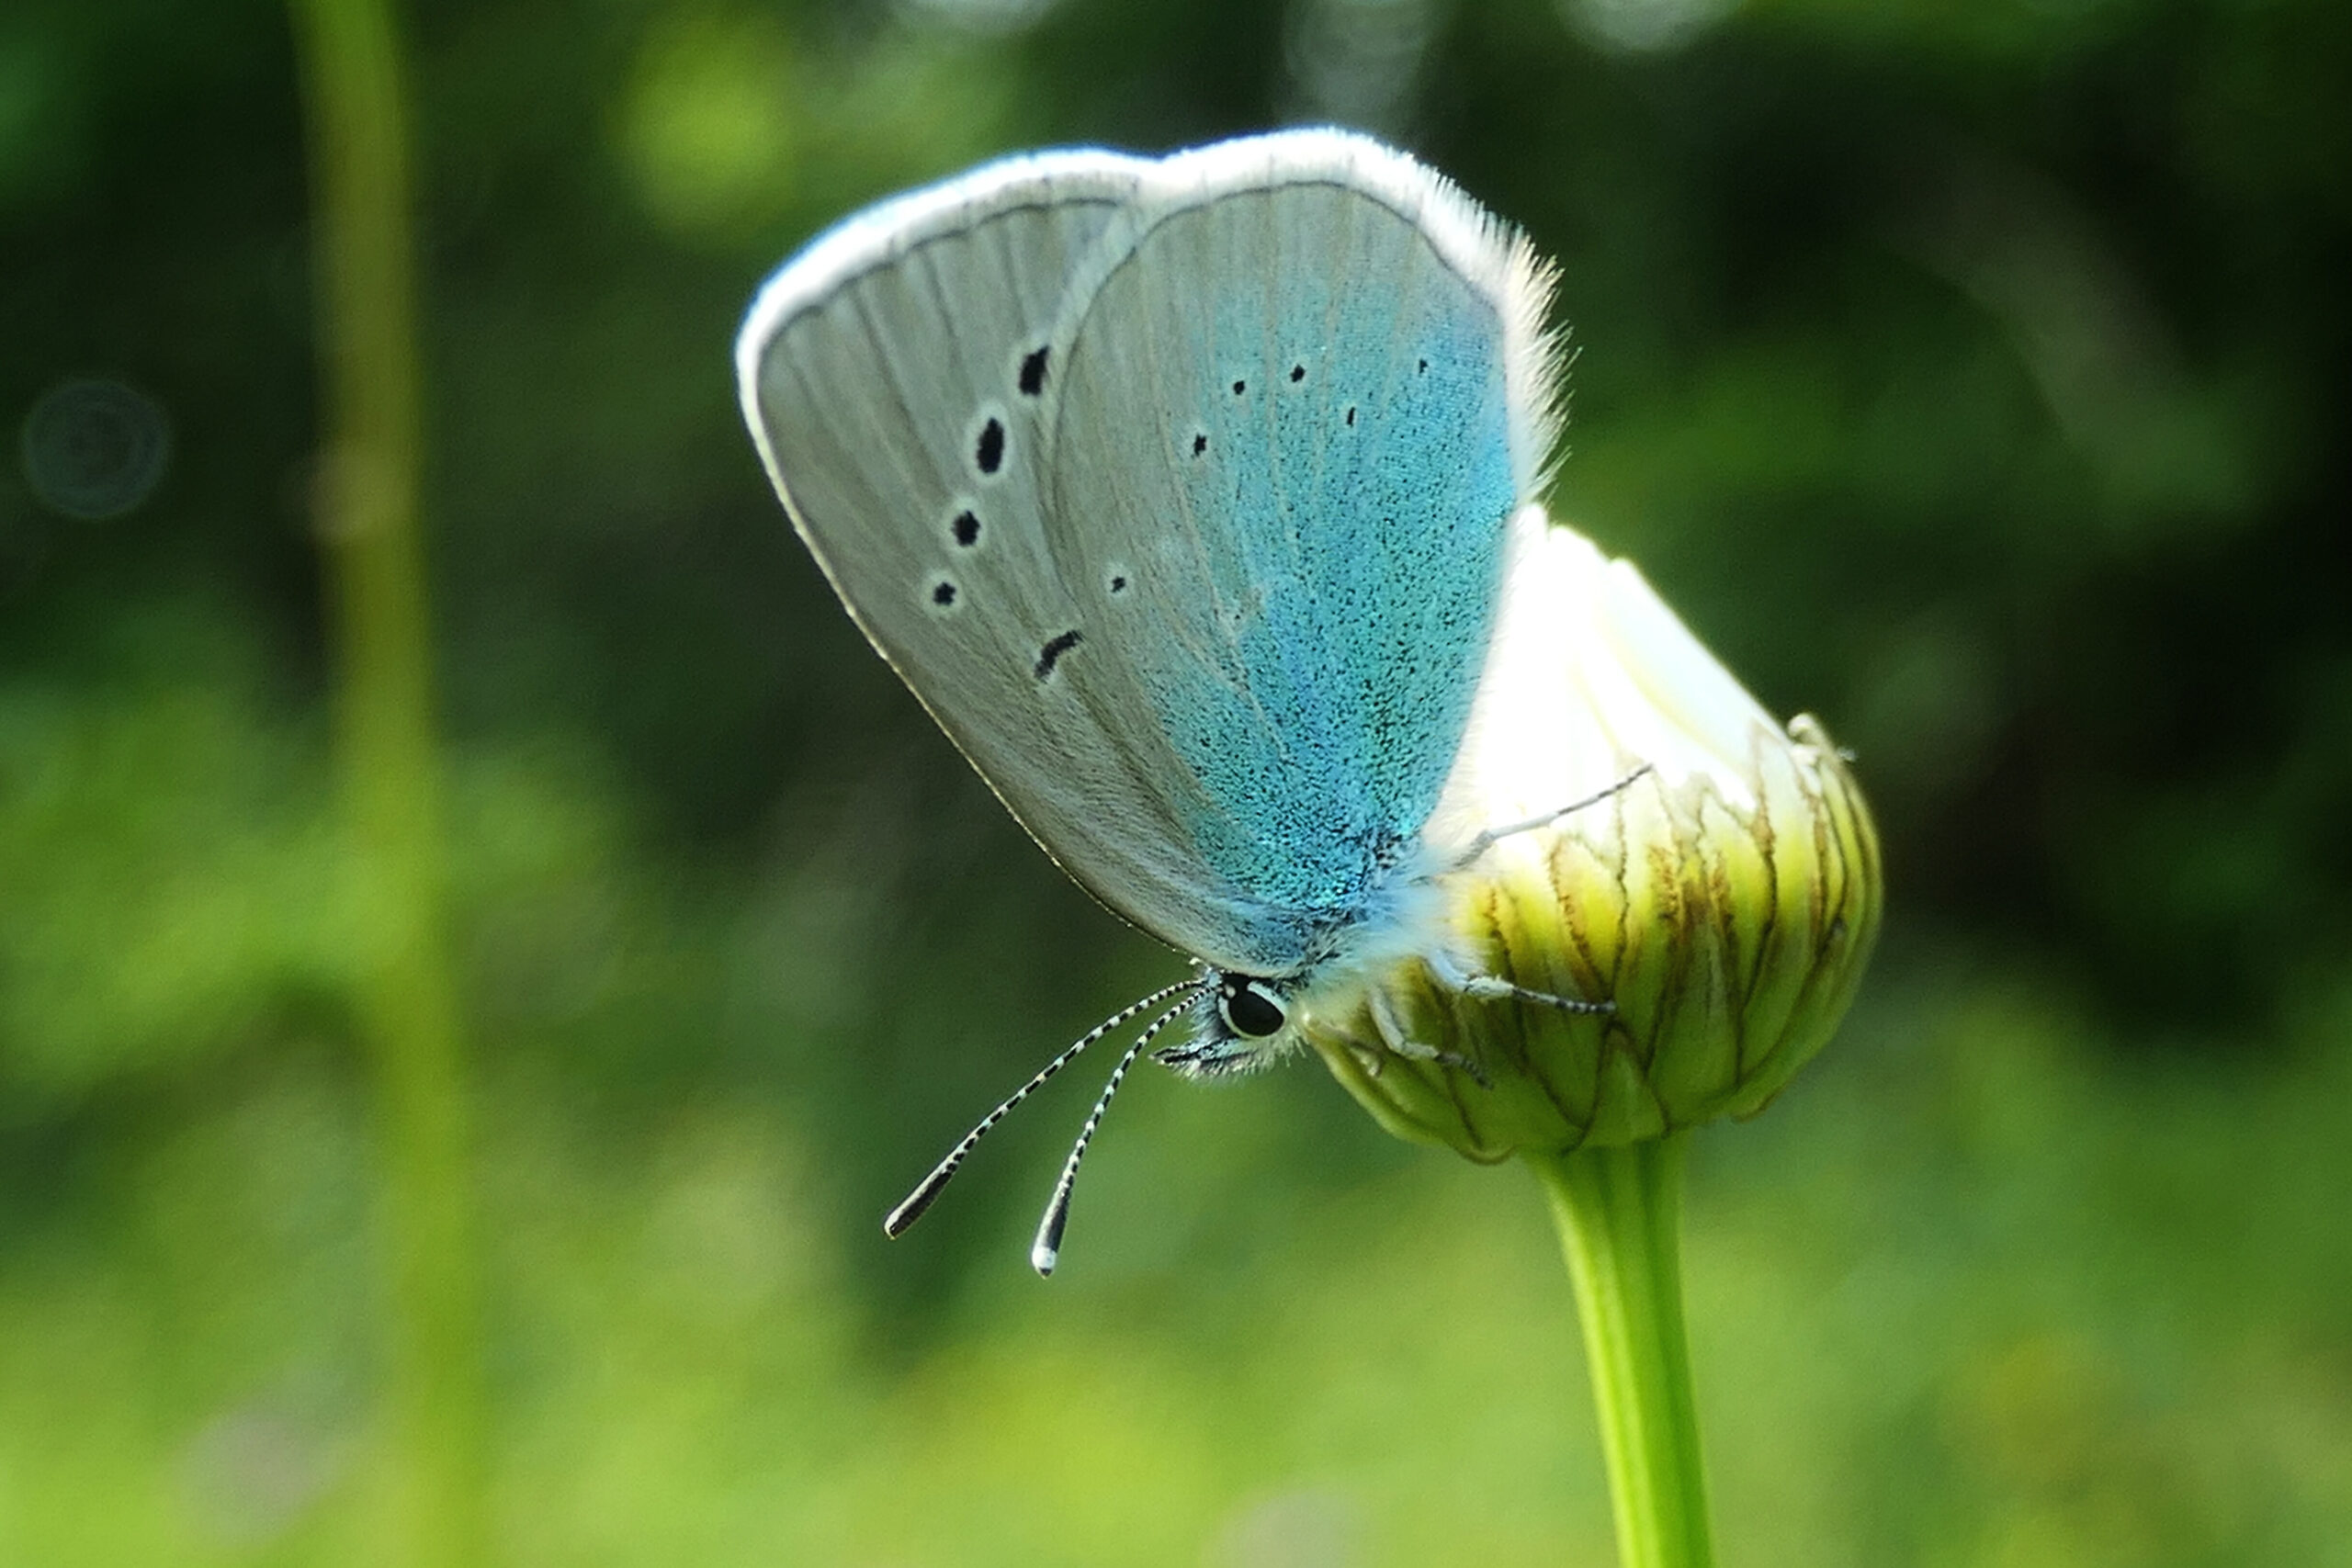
x=942 y=593
x=967 y=529
x=1299 y=373
x=1051 y=654
x=1240 y=387
x=1351 y=414
x=988 y=452
x=1033 y=371
x=1200 y=444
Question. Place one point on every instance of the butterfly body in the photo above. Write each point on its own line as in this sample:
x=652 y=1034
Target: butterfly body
x=1180 y=492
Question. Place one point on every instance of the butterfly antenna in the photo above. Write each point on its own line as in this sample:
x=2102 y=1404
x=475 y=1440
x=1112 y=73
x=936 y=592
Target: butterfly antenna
x=1492 y=836
x=1046 y=1250
x=896 y=1223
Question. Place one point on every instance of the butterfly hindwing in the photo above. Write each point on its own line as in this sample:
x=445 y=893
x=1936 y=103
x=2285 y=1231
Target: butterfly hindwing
x=1286 y=425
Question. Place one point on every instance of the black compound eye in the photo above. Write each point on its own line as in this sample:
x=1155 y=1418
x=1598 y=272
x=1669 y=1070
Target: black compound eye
x=1253 y=1013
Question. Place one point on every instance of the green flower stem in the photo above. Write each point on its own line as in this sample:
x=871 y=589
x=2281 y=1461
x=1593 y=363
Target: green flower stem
x=1620 y=1213
x=405 y=999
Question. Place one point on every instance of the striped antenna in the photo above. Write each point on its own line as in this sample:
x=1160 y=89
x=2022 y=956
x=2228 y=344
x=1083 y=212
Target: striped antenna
x=1492 y=836
x=896 y=1224
x=1046 y=1250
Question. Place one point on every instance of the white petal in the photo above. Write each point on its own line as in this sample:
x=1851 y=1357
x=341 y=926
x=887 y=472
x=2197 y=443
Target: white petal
x=1591 y=676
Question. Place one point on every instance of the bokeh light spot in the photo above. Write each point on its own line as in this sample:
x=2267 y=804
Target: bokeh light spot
x=94 y=448
x=708 y=131
x=1643 y=26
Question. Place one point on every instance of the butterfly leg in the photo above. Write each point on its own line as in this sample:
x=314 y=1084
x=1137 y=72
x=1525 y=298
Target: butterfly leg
x=1494 y=988
x=1373 y=1059
x=1396 y=1038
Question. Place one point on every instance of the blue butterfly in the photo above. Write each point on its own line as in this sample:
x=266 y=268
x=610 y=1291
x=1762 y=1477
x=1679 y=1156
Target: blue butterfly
x=1180 y=491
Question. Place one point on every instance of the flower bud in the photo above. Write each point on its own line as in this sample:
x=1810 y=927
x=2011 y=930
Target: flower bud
x=1723 y=903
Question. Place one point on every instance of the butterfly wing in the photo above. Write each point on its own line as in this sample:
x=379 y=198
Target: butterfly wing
x=1305 y=394
x=895 y=376
x=1221 y=683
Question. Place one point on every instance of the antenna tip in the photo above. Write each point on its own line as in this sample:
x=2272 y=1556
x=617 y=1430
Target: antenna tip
x=900 y=1219
x=1046 y=1250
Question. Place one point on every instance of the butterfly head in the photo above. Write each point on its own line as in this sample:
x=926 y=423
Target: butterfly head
x=1239 y=1022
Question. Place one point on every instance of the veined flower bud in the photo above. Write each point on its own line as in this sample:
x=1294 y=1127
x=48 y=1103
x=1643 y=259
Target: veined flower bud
x=1724 y=902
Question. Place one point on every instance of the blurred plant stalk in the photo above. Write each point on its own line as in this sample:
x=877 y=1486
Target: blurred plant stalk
x=1620 y=1215
x=406 y=1003
x=1723 y=900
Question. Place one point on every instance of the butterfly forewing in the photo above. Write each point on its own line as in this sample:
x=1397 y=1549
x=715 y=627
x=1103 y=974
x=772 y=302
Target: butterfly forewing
x=874 y=367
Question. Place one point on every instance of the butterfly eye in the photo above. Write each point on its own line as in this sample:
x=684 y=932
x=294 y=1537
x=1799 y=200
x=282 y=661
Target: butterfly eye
x=1249 y=1010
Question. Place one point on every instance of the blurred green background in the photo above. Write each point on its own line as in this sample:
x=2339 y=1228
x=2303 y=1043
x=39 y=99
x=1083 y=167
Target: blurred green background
x=1972 y=375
